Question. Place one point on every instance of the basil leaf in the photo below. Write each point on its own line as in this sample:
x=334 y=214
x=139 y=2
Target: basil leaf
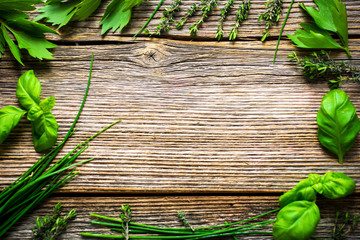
x=28 y=90
x=9 y=118
x=34 y=113
x=296 y=221
x=337 y=185
x=47 y=104
x=44 y=132
x=338 y=123
x=315 y=180
x=302 y=191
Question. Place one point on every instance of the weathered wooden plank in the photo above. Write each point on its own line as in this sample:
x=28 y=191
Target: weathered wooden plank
x=162 y=211
x=250 y=29
x=197 y=117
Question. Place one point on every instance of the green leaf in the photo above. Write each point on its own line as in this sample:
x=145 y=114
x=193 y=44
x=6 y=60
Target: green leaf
x=302 y=191
x=34 y=113
x=62 y=12
x=22 y=5
x=44 y=132
x=12 y=46
x=296 y=221
x=338 y=123
x=337 y=185
x=331 y=16
x=47 y=104
x=313 y=37
x=28 y=90
x=36 y=46
x=117 y=14
x=9 y=118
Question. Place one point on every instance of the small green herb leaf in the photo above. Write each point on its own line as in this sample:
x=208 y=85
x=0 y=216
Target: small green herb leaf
x=337 y=185
x=338 y=123
x=313 y=37
x=117 y=14
x=34 y=113
x=331 y=16
x=12 y=46
x=47 y=104
x=9 y=118
x=302 y=191
x=44 y=131
x=296 y=221
x=28 y=90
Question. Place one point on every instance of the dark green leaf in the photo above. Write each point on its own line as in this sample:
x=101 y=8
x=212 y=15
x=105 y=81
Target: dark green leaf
x=331 y=16
x=22 y=5
x=117 y=15
x=337 y=185
x=296 y=221
x=44 y=132
x=302 y=191
x=28 y=90
x=313 y=37
x=338 y=123
x=12 y=46
x=9 y=118
x=47 y=104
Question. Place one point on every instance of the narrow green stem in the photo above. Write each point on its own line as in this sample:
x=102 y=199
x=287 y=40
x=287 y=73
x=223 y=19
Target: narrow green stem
x=282 y=29
x=148 y=21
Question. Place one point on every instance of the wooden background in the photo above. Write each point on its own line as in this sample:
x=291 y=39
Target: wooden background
x=210 y=128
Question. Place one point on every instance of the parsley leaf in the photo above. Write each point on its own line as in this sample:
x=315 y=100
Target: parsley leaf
x=29 y=35
x=117 y=14
x=59 y=12
x=330 y=16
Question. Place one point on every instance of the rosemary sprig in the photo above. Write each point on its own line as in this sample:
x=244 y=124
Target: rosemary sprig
x=344 y=224
x=270 y=16
x=168 y=17
x=183 y=219
x=50 y=227
x=207 y=7
x=190 y=12
x=320 y=65
x=241 y=16
x=224 y=13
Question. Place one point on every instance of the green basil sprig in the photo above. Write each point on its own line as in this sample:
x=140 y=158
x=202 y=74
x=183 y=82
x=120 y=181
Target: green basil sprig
x=338 y=123
x=300 y=215
x=44 y=125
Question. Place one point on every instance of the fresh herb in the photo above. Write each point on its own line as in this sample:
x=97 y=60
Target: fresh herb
x=241 y=15
x=330 y=16
x=125 y=216
x=60 y=12
x=168 y=17
x=322 y=66
x=271 y=15
x=300 y=215
x=338 y=123
x=344 y=224
x=190 y=12
x=183 y=219
x=50 y=227
x=148 y=21
x=29 y=35
x=44 y=125
x=135 y=229
x=207 y=7
x=40 y=180
x=224 y=13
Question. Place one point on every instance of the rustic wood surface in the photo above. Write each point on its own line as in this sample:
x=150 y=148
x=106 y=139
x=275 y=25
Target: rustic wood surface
x=211 y=128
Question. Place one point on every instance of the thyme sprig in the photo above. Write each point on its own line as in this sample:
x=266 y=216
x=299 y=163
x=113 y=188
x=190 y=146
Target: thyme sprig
x=224 y=13
x=125 y=216
x=321 y=65
x=207 y=7
x=190 y=12
x=241 y=15
x=272 y=15
x=185 y=221
x=168 y=17
x=50 y=227
x=344 y=224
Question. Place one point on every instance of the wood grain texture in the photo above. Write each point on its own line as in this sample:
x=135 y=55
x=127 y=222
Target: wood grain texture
x=162 y=211
x=251 y=29
x=221 y=120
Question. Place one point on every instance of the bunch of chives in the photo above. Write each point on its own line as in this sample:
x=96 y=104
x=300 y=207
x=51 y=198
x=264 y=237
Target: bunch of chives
x=39 y=181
